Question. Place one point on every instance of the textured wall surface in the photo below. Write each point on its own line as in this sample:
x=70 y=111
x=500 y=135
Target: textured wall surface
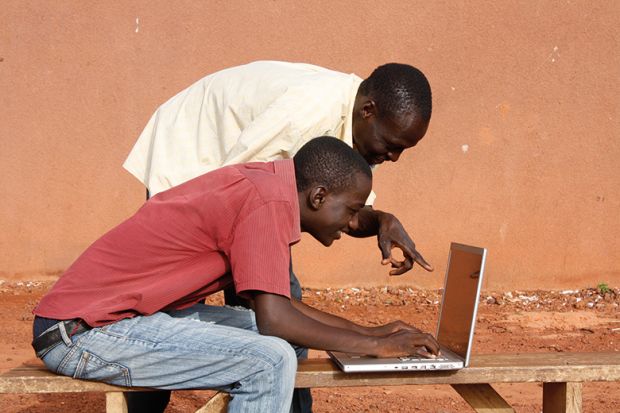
x=522 y=155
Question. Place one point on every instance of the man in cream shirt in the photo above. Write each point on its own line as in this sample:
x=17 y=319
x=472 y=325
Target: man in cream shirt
x=267 y=110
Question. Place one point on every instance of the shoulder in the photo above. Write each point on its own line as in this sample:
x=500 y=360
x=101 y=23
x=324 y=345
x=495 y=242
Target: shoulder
x=275 y=200
x=291 y=73
x=273 y=181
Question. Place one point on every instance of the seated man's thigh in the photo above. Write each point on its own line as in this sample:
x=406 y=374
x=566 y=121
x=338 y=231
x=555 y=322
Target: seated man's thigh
x=170 y=353
x=238 y=317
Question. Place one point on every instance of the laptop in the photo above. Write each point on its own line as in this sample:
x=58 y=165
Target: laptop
x=457 y=317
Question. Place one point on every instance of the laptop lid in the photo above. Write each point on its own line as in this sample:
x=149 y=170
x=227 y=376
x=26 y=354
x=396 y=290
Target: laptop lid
x=459 y=306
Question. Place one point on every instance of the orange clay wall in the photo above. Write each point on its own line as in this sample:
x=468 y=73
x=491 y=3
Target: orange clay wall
x=522 y=155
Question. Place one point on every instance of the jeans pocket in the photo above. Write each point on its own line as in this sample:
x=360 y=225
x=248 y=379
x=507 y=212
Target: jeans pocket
x=92 y=367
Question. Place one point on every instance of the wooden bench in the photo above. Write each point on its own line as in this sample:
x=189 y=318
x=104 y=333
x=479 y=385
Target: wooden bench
x=560 y=373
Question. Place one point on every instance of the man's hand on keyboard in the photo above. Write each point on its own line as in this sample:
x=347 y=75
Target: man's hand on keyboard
x=390 y=328
x=407 y=342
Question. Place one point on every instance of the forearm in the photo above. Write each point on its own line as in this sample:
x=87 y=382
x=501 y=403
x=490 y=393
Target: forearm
x=328 y=319
x=296 y=323
x=277 y=316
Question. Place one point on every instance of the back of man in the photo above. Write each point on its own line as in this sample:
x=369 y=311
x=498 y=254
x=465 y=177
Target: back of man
x=172 y=253
x=261 y=111
x=139 y=278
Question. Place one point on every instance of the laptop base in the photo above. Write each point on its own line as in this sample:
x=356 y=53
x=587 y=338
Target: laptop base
x=362 y=364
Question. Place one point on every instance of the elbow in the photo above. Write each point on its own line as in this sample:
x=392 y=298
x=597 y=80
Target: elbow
x=272 y=315
x=268 y=326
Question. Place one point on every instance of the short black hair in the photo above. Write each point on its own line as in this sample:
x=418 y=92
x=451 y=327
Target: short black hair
x=330 y=162
x=398 y=90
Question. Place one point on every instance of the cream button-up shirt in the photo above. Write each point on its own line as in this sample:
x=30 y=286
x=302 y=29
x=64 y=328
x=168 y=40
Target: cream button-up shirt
x=260 y=111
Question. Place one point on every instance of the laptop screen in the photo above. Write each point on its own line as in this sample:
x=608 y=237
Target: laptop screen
x=460 y=298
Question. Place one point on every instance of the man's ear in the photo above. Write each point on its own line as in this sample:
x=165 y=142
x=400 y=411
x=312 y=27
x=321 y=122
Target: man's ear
x=369 y=109
x=316 y=197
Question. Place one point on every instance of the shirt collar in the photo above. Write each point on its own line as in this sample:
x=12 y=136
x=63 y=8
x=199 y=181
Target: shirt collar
x=285 y=168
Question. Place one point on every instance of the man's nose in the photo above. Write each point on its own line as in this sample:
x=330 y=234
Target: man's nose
x=393 y=156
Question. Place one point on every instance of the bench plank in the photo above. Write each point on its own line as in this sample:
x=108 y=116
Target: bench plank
x=35 y=378
x=490 y=368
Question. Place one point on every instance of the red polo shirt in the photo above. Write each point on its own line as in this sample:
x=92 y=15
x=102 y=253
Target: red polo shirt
x=184 y=244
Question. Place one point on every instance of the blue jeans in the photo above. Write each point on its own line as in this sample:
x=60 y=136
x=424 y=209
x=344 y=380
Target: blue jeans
x=302 y=398
x=202 y=347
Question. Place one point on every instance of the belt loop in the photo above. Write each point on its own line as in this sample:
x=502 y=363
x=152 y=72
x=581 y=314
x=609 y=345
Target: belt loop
x=63 y=333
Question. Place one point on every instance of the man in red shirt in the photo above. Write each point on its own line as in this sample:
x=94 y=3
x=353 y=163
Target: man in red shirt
x=129 y=311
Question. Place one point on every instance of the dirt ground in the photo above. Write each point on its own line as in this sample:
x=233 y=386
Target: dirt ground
x=532 y=321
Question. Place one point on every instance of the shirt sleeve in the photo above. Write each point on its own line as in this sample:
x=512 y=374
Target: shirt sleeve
x=137 y=161
x=260 y=250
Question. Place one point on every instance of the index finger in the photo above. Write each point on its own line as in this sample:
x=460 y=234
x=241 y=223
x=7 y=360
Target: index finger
x=421 y=261
x=410 y=252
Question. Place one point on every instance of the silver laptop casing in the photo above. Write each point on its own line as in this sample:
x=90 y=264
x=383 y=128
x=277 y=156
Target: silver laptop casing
x=448 y=360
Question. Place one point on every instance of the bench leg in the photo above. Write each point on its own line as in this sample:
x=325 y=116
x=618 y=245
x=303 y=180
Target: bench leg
x=483 y=398
x=561 y=397
x=115 y=402
x=217 y=404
